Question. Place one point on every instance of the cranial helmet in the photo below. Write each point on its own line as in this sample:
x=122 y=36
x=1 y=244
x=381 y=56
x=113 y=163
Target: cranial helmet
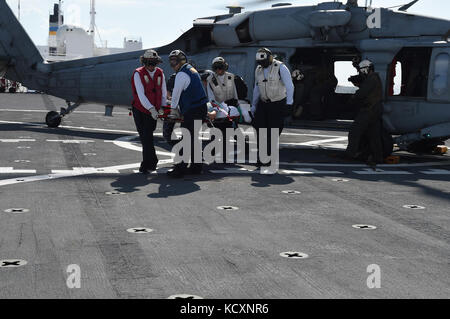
x=365 y=66
x=219 y=63
x=150 y=57
x=176 y=57
x=297 y=75
x=264 y=57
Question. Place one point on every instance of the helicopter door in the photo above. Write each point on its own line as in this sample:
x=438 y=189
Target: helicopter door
x=439 y=79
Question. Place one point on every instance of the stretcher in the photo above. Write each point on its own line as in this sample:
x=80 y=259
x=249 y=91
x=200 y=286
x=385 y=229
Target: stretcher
x=240 y=114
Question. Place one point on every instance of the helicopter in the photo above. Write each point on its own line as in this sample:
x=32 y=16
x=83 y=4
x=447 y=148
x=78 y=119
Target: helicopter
x=314 y=37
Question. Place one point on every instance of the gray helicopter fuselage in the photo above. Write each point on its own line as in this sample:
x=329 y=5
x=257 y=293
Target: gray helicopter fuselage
x=332 y=29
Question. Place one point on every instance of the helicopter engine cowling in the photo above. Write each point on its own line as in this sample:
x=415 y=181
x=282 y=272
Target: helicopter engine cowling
x=329 y=18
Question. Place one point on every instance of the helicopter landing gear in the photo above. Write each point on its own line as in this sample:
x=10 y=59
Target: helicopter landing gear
x=426 y=147
x=53 y=119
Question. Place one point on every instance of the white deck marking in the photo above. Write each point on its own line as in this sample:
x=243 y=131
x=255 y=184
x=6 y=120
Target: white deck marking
x=87 y=170
x=125 y=142
x=67 y=174
x=321 y=142
x=46 y=111
x=370 y=171
x=436 y=172
x=443 y=163
x=71 y=141
x=307 y=171
x=11 y=170
x=16 y=140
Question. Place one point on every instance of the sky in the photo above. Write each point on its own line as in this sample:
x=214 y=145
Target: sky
x=159 y=22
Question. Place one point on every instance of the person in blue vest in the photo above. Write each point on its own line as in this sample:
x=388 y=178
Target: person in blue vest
x=189 y=94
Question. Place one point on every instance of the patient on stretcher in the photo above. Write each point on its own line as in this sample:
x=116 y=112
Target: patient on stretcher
x=216 y=112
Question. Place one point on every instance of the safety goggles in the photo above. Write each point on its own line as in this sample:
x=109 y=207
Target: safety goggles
x=218 y=67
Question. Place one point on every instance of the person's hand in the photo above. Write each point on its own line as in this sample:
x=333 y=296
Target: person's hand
x=212 y=115
x=253 y=110
x=154 y=113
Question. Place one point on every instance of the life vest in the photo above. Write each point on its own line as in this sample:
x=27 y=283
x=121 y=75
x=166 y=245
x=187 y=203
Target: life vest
x=195 y=95
x=271 y=89
x=152 y=88
x=223 y=91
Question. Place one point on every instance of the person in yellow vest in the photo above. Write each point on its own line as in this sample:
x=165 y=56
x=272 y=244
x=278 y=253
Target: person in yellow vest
x=273 y=95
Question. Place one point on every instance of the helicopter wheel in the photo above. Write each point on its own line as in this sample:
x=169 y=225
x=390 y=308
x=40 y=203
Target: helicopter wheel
x=12 y=90
x=425 y=146
x=53 y=119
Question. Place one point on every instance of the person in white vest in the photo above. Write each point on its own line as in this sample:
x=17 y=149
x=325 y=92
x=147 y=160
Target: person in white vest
x=221 y=86
x=273 y=95
x=221 y=89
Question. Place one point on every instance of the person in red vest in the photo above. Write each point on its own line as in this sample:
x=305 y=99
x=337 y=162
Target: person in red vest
x=149 y=94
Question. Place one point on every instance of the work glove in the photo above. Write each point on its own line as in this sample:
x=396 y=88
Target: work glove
x=154 y=113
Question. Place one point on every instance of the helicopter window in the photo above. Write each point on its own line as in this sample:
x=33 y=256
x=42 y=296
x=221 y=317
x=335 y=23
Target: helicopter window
x=280 y=56
x=440 y=80
x=396 y=84
x=343 y=70
x=414 y=64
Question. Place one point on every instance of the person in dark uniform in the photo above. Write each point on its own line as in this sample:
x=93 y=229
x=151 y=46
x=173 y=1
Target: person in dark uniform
x=149 y=94
x=189 y=94
x=368 y=122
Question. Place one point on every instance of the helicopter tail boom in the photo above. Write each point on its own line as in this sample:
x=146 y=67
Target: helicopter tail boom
x=20 y=60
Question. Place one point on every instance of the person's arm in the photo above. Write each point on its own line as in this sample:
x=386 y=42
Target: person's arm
x=366 y=87
x=141 y=92
x=211 y=95
x=286 y=78
x=256 y=96
x=164 y=91
x=182 y=81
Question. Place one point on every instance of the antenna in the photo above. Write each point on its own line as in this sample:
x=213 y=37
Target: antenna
x=18 y=9
x=93 y=13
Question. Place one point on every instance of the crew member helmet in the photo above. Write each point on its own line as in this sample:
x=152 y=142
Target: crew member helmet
x=150 y=58
x=219 y=63
x=176 y=57
x=264 y=57
x=366 y=66
x=297 y=75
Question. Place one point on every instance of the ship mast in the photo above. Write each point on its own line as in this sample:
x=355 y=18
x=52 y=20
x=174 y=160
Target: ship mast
x=59 y=14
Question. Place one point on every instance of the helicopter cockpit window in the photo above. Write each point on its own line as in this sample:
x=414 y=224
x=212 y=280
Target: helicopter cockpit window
x=441 y=67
